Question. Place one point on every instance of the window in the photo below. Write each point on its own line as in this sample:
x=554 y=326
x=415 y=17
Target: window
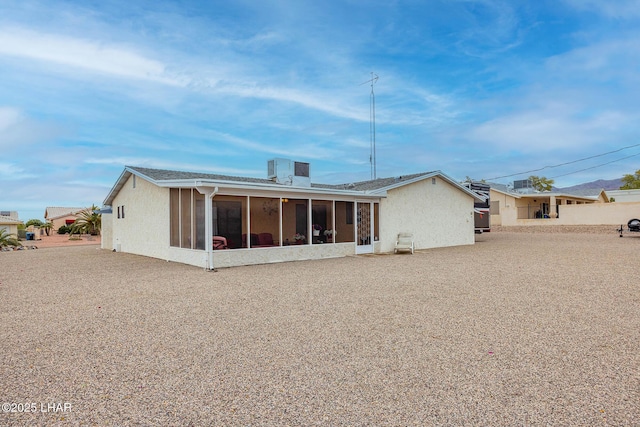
x=229 y=213
x=295 y=221
x=376 y=221
x=344 y=222
x=186 y=218
x=174 y=217
x=322 y=221
x=264 y=221
x=199 y=200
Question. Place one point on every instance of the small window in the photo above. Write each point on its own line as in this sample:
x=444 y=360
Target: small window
x=134 y=181
x=118 y=212
x=433 y=181
x=122 y=211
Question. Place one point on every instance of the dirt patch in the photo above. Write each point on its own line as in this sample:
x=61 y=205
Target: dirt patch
x=519 y=329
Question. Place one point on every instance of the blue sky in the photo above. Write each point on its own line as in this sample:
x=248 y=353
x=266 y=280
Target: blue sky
x=474 y=88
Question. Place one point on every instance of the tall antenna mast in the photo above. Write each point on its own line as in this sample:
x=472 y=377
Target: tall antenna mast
x=372 y=125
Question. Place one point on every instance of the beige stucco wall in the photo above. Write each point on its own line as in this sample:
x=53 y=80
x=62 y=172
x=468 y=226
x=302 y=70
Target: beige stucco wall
x=106 y=231
x=576 y=214
x=62 y=220
x=437 y=214
x=237 y=257
x=598 y=213
x=144 y=230
x=508 y=210
x=231 y=258
x=624 y=195
x=12 y=229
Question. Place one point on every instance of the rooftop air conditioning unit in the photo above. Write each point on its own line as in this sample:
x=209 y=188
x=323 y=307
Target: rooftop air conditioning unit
x=287 y=172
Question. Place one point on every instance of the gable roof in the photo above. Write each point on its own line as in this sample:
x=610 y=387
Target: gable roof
x=586 y=193
x=376 y=187
x=53 y=212
x=6 y=220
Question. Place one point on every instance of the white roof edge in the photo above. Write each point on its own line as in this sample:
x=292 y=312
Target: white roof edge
x=241 y=185
x=126 y=172
x=516 y=195
x=431 y=175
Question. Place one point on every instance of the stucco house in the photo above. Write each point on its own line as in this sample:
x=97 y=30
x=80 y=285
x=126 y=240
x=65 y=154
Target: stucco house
x=59 y=216
x=578 y=207
x=9 y=222
x=624 y=195
x=211 y=220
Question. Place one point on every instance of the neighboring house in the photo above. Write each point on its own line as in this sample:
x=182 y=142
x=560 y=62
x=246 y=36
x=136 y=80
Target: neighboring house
x=60 y=216
x=212 y=220
x=624 y=195
x=579 y=207
x=9 y=222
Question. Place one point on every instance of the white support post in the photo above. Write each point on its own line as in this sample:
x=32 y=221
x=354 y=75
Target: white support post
x=208 y=222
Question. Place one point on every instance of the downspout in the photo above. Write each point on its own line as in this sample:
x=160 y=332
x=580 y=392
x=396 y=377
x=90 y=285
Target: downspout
x=209 y=223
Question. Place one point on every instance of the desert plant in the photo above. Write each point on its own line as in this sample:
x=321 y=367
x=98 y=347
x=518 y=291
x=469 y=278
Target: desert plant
x=89 y=221
x=47 y=226
x=7 y=239
x=35 y=222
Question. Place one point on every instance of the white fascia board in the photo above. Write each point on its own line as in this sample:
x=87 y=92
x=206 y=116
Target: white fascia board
x=427 y=176
x=118 y=185
x=250 y=187
x=572 y=196
x=514 y=195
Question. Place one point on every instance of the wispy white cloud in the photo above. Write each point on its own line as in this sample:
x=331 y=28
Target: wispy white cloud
x=13 y=172
x=160 y=163
x=92 y=55
x=619 y=9
x=18 y=132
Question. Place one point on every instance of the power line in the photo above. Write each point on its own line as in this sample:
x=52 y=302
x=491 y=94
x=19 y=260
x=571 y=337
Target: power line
x=596 y=166
x=571 y=162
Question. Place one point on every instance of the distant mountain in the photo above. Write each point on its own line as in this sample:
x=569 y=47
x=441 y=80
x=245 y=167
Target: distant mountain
x=600 y=184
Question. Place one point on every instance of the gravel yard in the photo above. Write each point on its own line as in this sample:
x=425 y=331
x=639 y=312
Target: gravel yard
x=518 y=329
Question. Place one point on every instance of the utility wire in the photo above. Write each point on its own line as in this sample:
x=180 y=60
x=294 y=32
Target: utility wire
x=596 y=166
x=569 y=163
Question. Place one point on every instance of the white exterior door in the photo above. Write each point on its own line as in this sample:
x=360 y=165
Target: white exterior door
x=364 y=229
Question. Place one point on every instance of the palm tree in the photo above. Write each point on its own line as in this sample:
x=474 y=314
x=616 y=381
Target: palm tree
x=47 y=226
x=6 y=239
x=89 y=221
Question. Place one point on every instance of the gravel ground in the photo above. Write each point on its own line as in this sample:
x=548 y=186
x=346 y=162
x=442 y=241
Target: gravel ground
x=519 y=329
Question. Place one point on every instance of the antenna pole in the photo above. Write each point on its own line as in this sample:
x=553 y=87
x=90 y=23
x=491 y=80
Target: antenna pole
x=372 y=125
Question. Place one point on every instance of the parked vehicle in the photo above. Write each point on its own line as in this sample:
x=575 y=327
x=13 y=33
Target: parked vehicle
x=633 y=226
x=481 y=216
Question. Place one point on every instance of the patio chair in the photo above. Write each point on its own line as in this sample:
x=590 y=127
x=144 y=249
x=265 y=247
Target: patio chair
x=220 y=242
x=265 y=239
x=404 y=242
